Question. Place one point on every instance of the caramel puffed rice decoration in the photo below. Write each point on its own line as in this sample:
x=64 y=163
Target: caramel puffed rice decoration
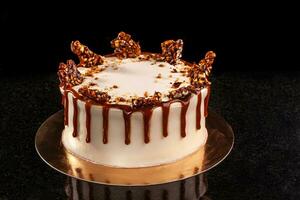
x=142 y=102
x=125 y=47
x=87 y=58
x=172 y=51
x=68 y=74
x=94 y=94
x=179 y=93
x=206 y=63
x=199 y=73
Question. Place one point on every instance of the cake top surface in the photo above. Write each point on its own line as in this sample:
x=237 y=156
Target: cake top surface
x=131 y=77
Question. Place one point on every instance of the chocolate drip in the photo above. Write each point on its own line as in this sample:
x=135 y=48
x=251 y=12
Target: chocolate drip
x=75 y=117
x=107 y=193
x=127 y=120
x=147 y=195
x=165 y=111
x=182 y=190
x=105 y=111
x=88 y=122
x=165 y=195
x=66 y=108
x=147 y=113
x=185 y=105
x=128 y=195
x=206 y=102
x=128 y=110
x=198 y=111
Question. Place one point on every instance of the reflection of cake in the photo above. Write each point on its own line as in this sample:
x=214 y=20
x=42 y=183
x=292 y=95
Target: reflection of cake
x=189 y=189
x=134 y=109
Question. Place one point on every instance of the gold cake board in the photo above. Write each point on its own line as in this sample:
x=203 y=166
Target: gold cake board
x=219 y=144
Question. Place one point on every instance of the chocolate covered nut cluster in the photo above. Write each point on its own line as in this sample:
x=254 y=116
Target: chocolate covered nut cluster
x=87 y=58
x=152 y=100
x=68 y=74
x=199 y=73
x=94 y=94
x=125 y=47
x=172 y=50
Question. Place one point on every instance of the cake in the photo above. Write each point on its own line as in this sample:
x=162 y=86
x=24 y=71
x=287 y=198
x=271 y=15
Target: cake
x=134 y=108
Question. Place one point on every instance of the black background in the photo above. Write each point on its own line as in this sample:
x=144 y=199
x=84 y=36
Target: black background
x=256 y=84
x=246 y=37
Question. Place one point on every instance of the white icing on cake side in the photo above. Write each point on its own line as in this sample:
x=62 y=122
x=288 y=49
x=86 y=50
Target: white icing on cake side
x=116 y=153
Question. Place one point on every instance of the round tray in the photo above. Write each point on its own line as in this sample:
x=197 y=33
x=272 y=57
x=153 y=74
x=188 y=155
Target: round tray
x=48 y=145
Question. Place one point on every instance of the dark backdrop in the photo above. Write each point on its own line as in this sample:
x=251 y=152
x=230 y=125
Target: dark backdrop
x=256 y=84
x=245 y=37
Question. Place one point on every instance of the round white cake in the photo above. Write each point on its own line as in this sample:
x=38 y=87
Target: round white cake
x=138 y=110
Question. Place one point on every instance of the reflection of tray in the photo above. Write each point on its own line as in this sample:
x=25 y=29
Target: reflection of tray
x=48 y=145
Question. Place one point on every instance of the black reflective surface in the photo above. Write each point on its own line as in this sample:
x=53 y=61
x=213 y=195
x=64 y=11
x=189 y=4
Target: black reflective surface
x=262 y=108
x=193 y=188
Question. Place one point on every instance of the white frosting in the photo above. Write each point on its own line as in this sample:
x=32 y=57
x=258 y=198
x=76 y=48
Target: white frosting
x=134 y=77
x=116 y=153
